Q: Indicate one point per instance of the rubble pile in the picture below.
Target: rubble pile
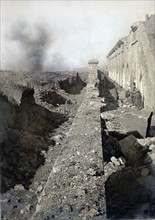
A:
(130, 181)
(129, 163)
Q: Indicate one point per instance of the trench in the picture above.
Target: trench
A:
(27, 129)
(30, 141)
(25, 140)
(52, 97)
(130, 193)
(72, 85)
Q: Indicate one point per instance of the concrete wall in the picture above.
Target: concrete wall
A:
(134, 60)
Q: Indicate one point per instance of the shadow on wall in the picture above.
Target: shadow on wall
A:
(52, 97)
(73, 84)
(108, 90)
(25, 140)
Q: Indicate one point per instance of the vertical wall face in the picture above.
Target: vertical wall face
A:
(133, 59)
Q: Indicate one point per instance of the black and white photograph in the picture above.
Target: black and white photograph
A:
(77, 109)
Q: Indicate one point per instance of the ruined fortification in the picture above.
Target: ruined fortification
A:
(132, 59)
(72, 145)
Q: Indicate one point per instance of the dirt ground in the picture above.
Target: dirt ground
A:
(19, 202)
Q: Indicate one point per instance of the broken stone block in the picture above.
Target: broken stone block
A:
(22, 211)
(132, 151)
(122, 160)
(107, 116)
(115, 161)
(146, 141)
(152, 147)
(19, 187)
(56, 140)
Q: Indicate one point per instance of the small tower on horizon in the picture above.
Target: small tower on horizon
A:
(93, 64)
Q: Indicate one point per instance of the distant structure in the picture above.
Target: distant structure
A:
(93, 64)
(132, 59)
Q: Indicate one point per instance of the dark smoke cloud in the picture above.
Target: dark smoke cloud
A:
(33, 41)
(77, 31)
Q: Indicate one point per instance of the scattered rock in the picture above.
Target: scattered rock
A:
(19, 187)
(115, 161)
(132, 151)
(122, 160)
(44, 194)
(91, 213)
(39, 189)
(91, 172)
(56, 140)
(107, 116)
(43, 152)
(55, 169)
(152, 147)
(22, 211)
(27, 207)
(103, 100)
(146, 141)
(145, 172)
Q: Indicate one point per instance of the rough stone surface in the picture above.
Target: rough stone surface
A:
(132, 151)
(75, 187)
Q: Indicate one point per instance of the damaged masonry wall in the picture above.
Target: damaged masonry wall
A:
(132, 60)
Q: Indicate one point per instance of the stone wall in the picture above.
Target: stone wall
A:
(75, 187)
(133, 60)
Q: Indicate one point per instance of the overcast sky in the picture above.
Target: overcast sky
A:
(76, 30)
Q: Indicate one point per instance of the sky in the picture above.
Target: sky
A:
(47, 35)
